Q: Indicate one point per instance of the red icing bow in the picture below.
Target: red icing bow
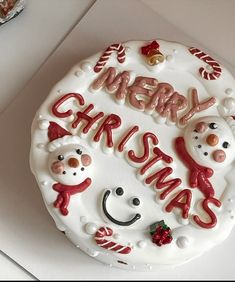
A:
(147, 49)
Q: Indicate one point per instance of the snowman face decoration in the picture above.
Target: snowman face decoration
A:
(70, 164)
(210, 142)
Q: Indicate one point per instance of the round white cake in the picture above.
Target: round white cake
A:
(133, 151)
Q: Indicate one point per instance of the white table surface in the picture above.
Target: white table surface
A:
(9, 270)
(29, 39)
(35, 34)
(26, 42)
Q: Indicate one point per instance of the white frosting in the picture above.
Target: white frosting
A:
(61, 142)
(111, 169)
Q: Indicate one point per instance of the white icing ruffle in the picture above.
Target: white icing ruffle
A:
(66, 140)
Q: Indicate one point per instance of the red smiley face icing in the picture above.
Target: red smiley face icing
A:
(133, 151)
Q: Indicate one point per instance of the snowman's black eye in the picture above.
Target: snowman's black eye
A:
(213, 125)
(136, 202)
(119, 191)
(60, 157)
(78, 151)
(225, 145)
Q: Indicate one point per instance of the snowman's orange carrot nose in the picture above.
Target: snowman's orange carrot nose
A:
(212, 140)
(73, 162)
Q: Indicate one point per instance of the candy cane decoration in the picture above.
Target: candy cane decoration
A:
(121, 56)
(211, 62)
(109, 245)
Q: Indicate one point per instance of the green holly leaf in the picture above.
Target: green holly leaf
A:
(153, 228)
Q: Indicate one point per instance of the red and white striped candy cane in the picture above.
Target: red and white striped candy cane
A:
(121, 56)
(109, 245)
(207, 59)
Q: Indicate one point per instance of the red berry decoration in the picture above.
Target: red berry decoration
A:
(161, 233)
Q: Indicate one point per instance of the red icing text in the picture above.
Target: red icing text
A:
(147, 94)
(160, 177)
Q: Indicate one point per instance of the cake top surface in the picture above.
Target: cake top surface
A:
(133, 151)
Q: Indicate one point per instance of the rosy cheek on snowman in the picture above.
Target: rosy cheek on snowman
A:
(210, 142)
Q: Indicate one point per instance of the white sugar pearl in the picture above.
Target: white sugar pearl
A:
(141, 244)
(182, 242)
(41, 146)
(78, 73)
(92, 253)
(130, 244)
(90, 228)
(86, 66)
(229, 91)
(229, 103)
(43, 124)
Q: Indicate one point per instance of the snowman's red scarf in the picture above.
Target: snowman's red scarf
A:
(65, 191)
(198, 174)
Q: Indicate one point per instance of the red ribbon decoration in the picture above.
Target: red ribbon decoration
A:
(147, 49)
(199, 175)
